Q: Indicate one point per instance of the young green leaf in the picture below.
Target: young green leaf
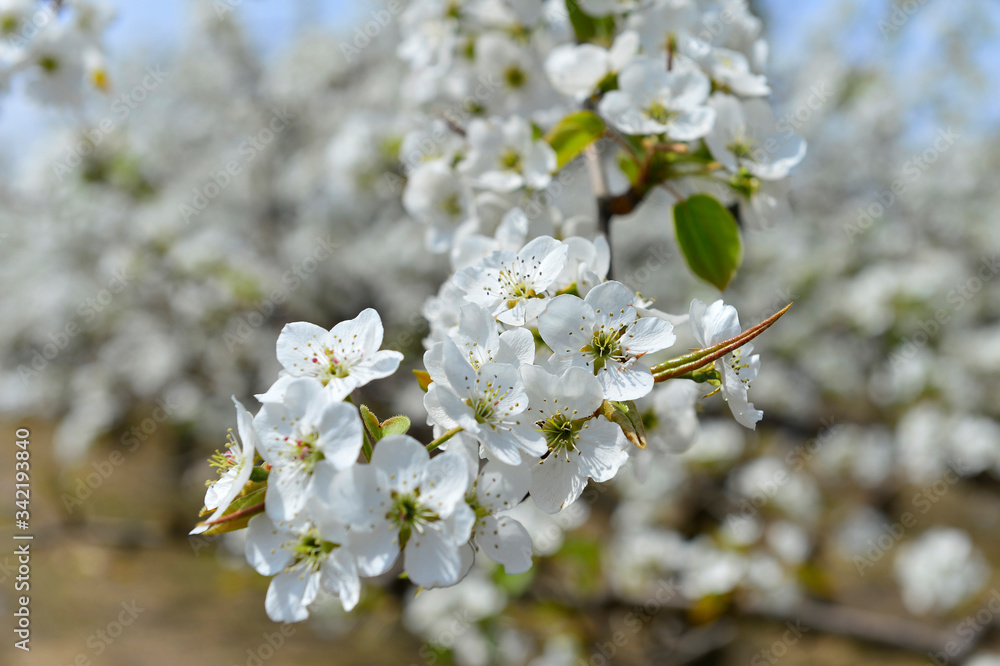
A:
(397, 425)
(574, 133)
(709, 237)
(371, 423)
(589, 28)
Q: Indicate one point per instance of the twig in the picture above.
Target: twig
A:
(600, 184)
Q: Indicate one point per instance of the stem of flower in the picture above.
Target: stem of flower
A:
(444, 438)
(367, 443)
(600, 184)
(242, 513)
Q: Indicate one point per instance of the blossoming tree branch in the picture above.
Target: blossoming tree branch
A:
(536, 357)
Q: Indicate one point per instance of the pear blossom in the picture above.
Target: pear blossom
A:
(435, 196)
(305, 432)
(503, 156)
(497, 534)
(604, 333)
(501, 58)
(235, 467)
(581, 445)
(730, 70)
(713, 324)
(485, 402)
(512, 286)
(303, 559)
(577, 69)
(675, 423)
(342, 359)
(404, 501)
(470, 247)
(652, 100)
(746, 135)
(587, 264)
(939, 570)
(479, 340)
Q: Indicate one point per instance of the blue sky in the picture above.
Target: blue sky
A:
(273, 23)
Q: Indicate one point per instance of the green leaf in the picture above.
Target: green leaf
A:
(600, 30)
(574, 133)
(371, 423)
(397, 425)
(709, 238)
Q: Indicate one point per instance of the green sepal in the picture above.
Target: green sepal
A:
(249, 503)
(423, 379)
(627, 417)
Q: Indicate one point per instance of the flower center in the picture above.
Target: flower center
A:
(48, 63)
(9, 24)
(745, 183)
(736, 364)
(603, 346)
(742, 147)
(334, 368)
(515, 76)
(408, 514)
(305, 450)
(482, 409)
(660, 113)
(226, 460)
(451, 206)
(311, 550)
(560, 433)
(510, 160)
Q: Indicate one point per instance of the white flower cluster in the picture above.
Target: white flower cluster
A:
(511, 419)
(535, 357)
(504, 73)
(56, 47)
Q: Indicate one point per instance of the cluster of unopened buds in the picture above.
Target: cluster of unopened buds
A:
(531, 392)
